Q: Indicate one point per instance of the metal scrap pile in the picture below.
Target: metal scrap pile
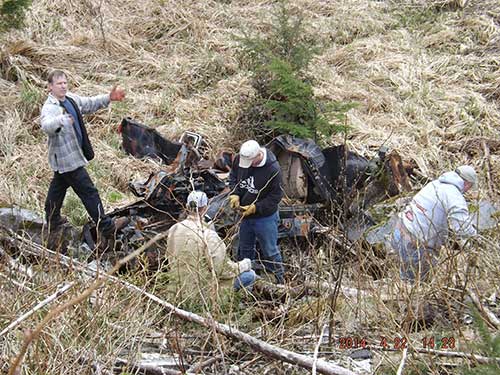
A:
(317, 183)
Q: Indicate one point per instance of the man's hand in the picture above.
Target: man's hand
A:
(244, 265)
(234, 201)
(248, 210)
(117, 94)
(67, 120)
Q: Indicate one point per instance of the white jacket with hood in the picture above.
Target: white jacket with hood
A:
(438, 206)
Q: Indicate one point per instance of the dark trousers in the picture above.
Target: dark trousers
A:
(79, 180)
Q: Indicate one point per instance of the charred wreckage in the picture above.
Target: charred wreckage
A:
(317, 184)
(323, 189)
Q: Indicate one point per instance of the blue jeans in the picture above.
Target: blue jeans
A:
(264, 230)
(416, 259)
(245, 280)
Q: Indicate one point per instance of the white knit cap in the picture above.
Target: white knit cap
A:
(248, 152)
(467, 173)
(198, 197)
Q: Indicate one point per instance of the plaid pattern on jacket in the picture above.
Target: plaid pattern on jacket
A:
(65, 153)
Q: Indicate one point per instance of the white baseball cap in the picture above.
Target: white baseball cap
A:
(198, 197)
(467, 173)
(248, 152)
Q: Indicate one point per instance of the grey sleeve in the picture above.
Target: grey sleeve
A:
(460, 221)
(91, 104)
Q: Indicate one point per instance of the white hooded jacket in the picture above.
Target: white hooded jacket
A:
(438, 206)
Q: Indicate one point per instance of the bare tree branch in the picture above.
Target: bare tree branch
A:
(490, 317)
(269, 350)
(41, 304)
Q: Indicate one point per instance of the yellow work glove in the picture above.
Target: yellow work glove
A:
(248, 210)
(234, 201)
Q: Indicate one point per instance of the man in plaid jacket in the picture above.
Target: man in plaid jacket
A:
(70, 151)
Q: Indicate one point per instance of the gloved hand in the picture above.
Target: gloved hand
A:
(248, 210)
(245, 265)
(234, 201)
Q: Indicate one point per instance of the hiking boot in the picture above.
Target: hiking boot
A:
(56, 223)
(106, 239)
(121, 223)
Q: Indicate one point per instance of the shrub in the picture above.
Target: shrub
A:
(285, 101)
(12, 13)
(488, 345)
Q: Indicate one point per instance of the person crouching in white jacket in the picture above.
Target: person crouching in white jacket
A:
(197, 257)
(423, 226)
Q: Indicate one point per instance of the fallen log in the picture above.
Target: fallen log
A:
(403, 362)
(263, 347)
(322, 366)
(19, 285)
(316, 349)
(201, 365)
(147, 369)
(15, 265)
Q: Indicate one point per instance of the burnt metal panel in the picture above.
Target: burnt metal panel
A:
(307, 148)
(142, 141)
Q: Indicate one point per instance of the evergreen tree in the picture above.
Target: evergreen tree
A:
(294, 108)
(285, 99)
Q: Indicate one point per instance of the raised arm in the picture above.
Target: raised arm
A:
(91, 104)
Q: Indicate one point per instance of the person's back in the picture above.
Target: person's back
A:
(435, 208)
(198, 264)
(187, 249)
(423, 226)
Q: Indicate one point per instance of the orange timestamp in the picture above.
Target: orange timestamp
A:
(396, 343)
(352, 342)
(400, 343)
(355, 342)
(439, 342)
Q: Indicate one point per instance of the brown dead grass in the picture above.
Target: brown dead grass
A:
(425, 75)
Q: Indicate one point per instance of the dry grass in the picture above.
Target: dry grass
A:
(425, 74)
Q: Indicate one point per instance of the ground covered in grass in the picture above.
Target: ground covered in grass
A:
(425, 76)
